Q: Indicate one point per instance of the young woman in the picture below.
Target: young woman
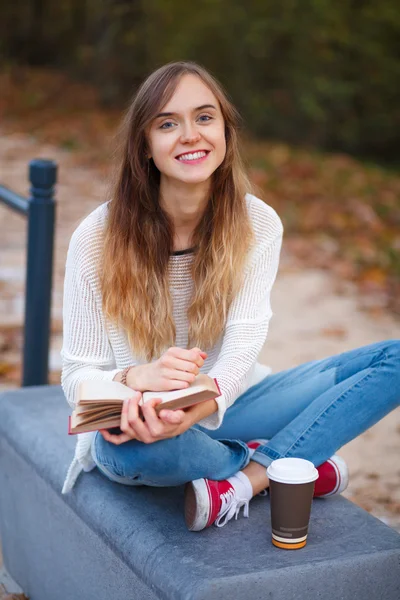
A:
(172, 277)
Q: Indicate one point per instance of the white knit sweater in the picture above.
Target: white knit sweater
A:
(93, 351)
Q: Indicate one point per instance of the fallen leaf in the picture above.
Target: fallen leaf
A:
(5, 368)
(334, 332)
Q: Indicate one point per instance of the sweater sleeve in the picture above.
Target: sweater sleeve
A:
(86, 351)
(246, 330)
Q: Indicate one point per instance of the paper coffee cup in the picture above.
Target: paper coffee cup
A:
(291, 491)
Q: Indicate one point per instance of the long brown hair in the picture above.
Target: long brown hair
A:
(139, 234)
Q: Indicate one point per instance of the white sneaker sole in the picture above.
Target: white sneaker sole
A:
(197, 505)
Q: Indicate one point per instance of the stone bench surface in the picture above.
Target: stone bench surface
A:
(105, 540)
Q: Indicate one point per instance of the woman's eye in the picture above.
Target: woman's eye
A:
(170, 124)
(167, 123)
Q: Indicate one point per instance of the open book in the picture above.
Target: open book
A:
(99, 404)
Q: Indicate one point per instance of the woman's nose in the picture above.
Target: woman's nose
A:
(190, 134)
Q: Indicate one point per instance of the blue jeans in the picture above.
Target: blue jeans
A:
(309, 412)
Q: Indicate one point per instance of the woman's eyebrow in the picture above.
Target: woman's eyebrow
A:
(172, 114)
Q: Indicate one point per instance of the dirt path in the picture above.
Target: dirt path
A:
(315, 315)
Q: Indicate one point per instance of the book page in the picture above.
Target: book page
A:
(103, 390)
(97, 419)
(201, 383)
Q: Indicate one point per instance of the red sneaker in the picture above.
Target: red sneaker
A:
(210, 502)
(254, 444)
(333, 474)
(333, 477)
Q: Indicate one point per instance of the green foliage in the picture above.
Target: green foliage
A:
(307, 71)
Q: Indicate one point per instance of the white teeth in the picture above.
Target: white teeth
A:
(194, 156)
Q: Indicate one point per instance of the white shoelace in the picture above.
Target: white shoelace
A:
(231, 507)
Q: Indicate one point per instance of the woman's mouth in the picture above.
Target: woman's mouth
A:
(193, 158)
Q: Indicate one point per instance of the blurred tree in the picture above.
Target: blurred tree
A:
(119, 49)
(309, 71)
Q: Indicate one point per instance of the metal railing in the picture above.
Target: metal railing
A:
(40, 211)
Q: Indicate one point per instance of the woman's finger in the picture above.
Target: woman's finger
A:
(106, 435)
(113, 438)
(177, 364)
(194, 355)
(154, 424)
(181, 376)
(202, 357)
(125, 425)
(175, 384)
(135, 423)
(174, 417)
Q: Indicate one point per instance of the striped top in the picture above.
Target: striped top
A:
(93, 349)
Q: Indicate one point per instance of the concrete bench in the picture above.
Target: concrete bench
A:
(104, 540)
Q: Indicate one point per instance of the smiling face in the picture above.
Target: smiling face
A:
(187, 138)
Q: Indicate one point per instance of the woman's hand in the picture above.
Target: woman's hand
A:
(153, 427)
(176, 369)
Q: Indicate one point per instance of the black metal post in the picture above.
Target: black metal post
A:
(41, 219)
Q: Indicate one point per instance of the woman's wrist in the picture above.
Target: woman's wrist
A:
(132, 377)
(135, 378)
(124, 374)
(203, 409)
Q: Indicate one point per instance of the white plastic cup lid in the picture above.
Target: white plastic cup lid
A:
(292, 470)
